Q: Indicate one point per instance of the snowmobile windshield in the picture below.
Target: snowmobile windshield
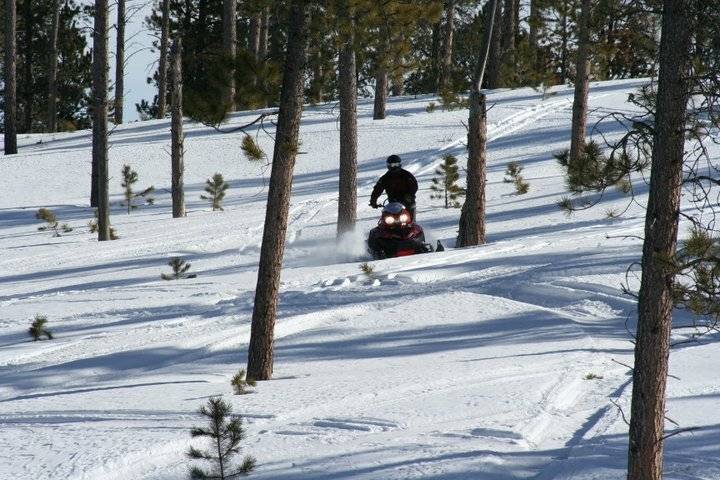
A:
(393, 208)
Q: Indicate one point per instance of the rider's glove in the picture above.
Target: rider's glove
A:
(374, 205)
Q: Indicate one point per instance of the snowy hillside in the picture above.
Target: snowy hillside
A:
(496, 362)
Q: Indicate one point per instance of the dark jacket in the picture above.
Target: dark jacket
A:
(400, 186)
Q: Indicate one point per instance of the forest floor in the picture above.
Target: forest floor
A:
(503, 361)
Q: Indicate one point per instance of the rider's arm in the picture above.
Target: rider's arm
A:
(377, 191)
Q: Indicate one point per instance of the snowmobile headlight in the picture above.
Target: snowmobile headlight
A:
(389, 220)
(404, 218)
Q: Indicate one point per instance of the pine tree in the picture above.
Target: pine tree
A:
(38, 328)
(130, 177)
(514, 176)
(180, 268)
(10, 78)
(225, 432)
(240, 383)
(445, 184)
(215, 188)
(49, 217)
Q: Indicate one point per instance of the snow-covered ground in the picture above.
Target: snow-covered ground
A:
(498, 362)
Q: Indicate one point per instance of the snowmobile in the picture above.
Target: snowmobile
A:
(397, 235)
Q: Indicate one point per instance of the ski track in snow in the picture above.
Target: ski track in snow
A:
(466, 364)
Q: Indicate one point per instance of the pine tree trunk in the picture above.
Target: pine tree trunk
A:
(435, 53)
(579, 115)
(471, 230)
(100, 110)
(347, 198)
(534, 21)
(10, 67)
(254, 35)
(176, 133)
(447, 48)
(565, 36)
(645, 453)
(264, 33)
(260, 353)
(381, 90)
(162, 67)
(27, 80)
(230, 47)
(493, 66)
(508, 39)
(120, 63)
(53, 68)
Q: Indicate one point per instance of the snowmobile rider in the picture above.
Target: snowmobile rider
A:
(399, 184)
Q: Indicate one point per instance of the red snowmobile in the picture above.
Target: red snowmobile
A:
(397, 235)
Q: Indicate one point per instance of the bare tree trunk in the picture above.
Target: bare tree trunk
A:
(120, 63)
(100, 113)
(264, 33)
(53, 68)
(10, 121)
(579, 115)
(347, 198)
(230, 47)
(447, 46)
(176, 132)
(645, 453)
(254, 35)
(565, 37)
(28, 90)
(381, 91)
(260, 353)
(534, 22)
(162, 67)
(508, 39)
(494, 61)
(471, 230)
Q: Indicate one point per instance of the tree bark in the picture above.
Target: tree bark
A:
(347, 198)
(120, 63)
(471, 229)
(27, 80)
(260, 353)
(10, 120)
(381, 91)
(230, 47)
(579, 113)
(53, 68)
(177, 150)
(162, 67)
(100, 114)
(254, 36)
(534, 22)
(264, 33)
(493, 66)
(508, 38)
(645, 452)
(447, 46)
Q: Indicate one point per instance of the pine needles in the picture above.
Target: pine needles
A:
(225, 432)
(38, 329)
(180, 268)
(514, 176)
(215, 188)
(240, 383)
(51, 221)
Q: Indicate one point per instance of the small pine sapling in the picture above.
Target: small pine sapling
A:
(514, 176)
(367, 269)
(445, 184)
(240, 383)
(180, 268)
(252, 150)
(38, 328)
(130, 177)
(225, 432)
(51, 220)
(431, 107)
(215, 188)
(593, 376)
(93, 226)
